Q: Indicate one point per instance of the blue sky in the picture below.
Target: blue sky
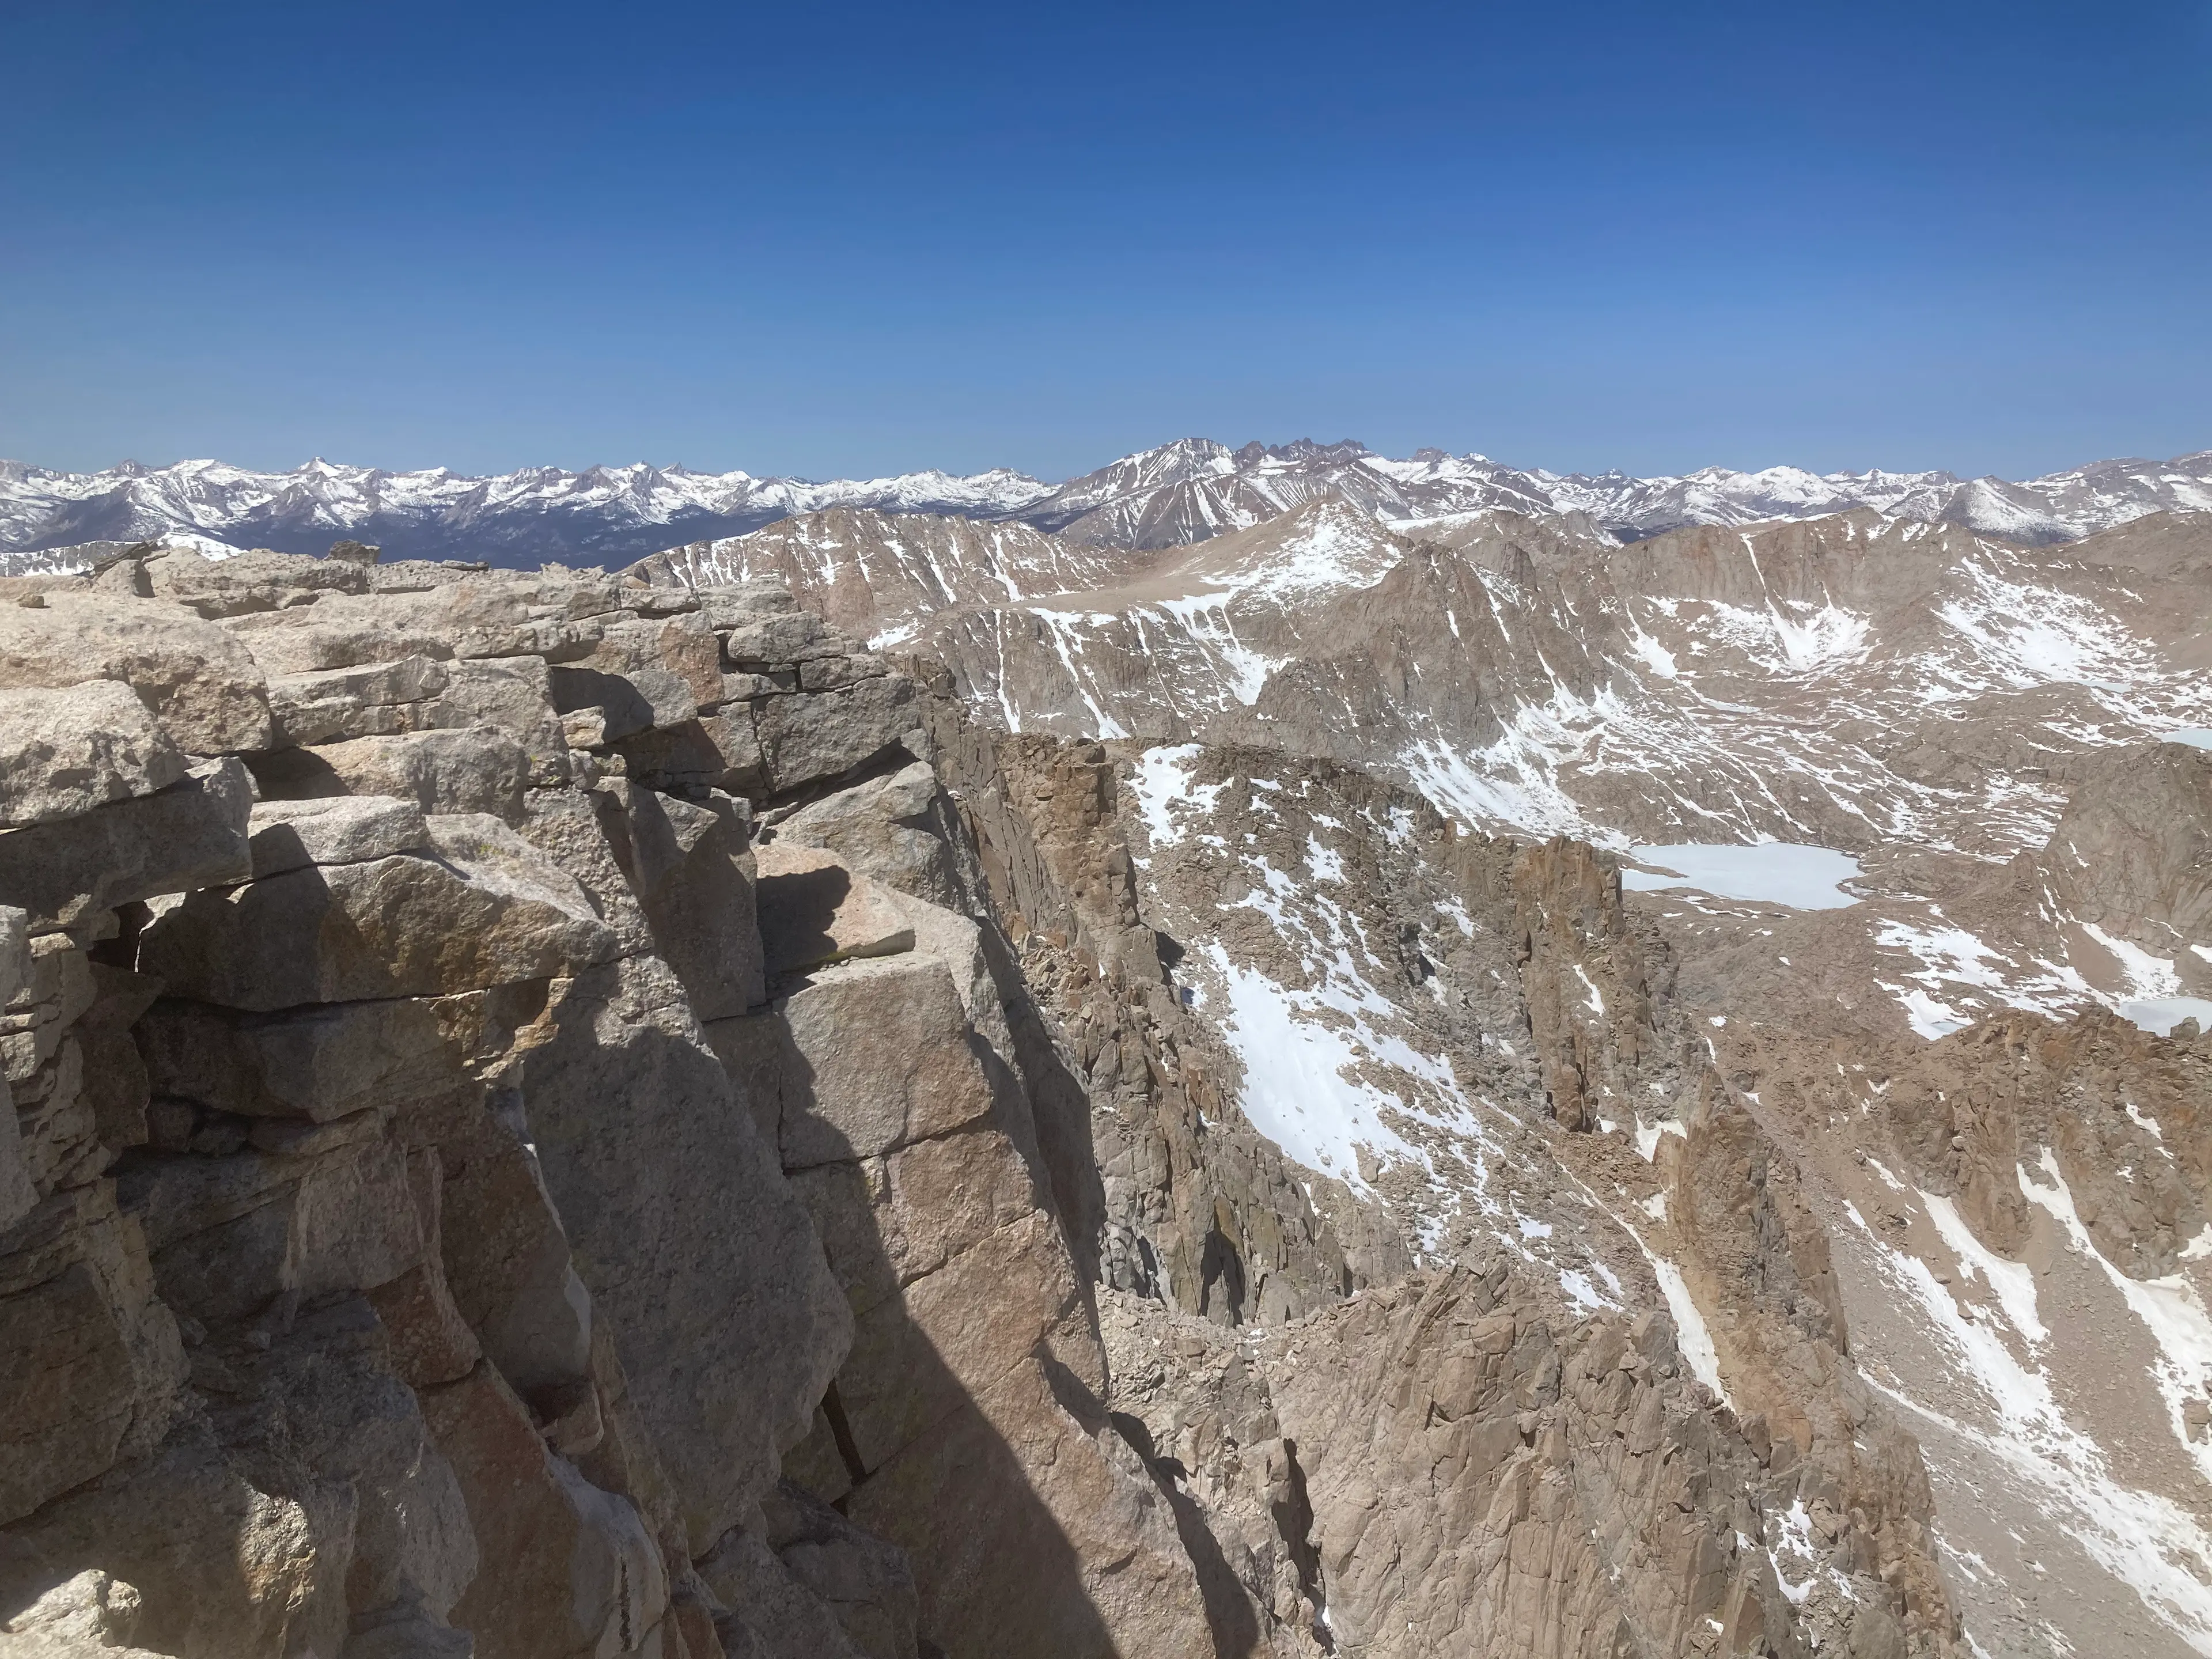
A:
(840, 240)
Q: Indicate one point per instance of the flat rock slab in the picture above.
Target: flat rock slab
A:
(290, 835)
(814, 910)
(877, 1054)
(192, 835)
(477, 769)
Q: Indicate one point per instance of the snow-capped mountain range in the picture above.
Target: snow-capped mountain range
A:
(530, 517)
(1182, 492)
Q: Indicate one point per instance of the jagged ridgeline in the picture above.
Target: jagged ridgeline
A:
(568, 1114)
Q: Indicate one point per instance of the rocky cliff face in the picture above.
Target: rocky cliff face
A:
(530, 1138)
(560, 1115)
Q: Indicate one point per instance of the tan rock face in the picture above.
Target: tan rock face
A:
(201, 685)
(188, 836)
(73, 749)
(1554, 1004)
(2133, 851)
(483, 909)
(1148, 1156)
(416, 1228)
(966, 1415)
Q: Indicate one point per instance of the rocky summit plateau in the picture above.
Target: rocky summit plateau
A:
(1266, 1054)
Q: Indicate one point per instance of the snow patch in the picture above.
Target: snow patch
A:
(1691, 1335)
(2169, 1308)
(1302, 1087)
(1162, 783)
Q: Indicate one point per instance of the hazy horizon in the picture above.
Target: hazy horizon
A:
(817, 476)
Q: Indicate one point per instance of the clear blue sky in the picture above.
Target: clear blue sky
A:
(838, 240)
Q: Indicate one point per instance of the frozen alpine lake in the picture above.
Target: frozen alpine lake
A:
(1771, 872)
(2160, 1015)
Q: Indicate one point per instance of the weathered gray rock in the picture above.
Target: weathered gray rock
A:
(879, 1054)
(290, 835)
(18, 1193)
(504, 1252)
(192, 835)
(116, 1087)
(888, 1220)
(63, 752)
(231, 1234)
(199, 681)
(578, 1574)
(332, 633)
(14, 950)
(679, 760)
(256, 580)
(579, 830)
(485, 909)
(776, 638)
(54, 986)
(895, 829)
(918, 1359)
(1034, 1528)
(431, 1341)
(597, 708)
(762, 1609)
(728, 605)
(350, 1422)
(90, 1361)
(406, 1632)
(691, 868)
(652, 652)
(513, 694)
(814, 911)
(806, 739)
(736, 750)
(319, 1062)
(477, 769)
(221, 1564)
(552, 614)
(867, 1584)
(682, 1175)
(94, 1612)
(377, 700)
